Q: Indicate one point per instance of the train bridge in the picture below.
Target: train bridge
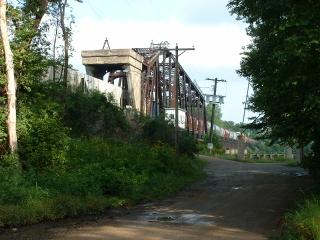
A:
(148, 81)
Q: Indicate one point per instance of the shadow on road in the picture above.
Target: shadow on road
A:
(236, 201)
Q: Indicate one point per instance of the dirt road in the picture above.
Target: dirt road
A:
(237, 201)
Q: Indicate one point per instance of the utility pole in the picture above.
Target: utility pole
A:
(245, 103)
(176, 113)
(240, 143)
(216, 80)
(177, 85)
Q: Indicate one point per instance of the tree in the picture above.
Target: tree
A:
(283, 65)
(62, 4)
(217, 114)
(11, 83)
(66, 22)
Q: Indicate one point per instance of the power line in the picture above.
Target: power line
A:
(216, 80)
(96, 11)
(245, 103)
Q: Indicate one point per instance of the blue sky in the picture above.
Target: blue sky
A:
(218, 38)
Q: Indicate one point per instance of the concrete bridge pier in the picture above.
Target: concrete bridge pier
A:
(122, 64)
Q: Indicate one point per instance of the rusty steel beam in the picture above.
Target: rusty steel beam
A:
(158, 89)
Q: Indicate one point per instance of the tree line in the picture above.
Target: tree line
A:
(282, 63)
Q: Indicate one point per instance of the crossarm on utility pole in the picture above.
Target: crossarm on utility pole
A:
(216, 80)
(177, 84)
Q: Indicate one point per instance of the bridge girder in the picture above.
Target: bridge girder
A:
(158, 81)
(147, 78)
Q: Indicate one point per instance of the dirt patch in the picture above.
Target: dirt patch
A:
(236, 201)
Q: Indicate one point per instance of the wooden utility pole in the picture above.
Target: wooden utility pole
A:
(241, 144)
(177, 85)
(216, 80)
(176, 114)
(11, 83)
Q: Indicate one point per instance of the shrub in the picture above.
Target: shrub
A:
(92, 114)
(187, 144)
(44, 142)
(303, 223)
(217, 147)
(159, 130)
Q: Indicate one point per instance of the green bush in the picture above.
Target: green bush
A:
(44, 144)
(98, 174)
(217, 146)
(116, 168)
(311, 161)
(157, 130)
(92, 114)
(187, 144)
(54, 175)
(303, 223)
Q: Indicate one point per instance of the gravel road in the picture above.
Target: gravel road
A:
(237, 201)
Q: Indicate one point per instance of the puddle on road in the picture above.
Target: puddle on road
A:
(165, 219)
(177, 218)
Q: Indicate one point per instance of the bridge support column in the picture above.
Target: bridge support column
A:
(99, 62)
(241, 149)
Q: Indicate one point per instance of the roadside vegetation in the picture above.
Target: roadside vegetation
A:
(80, 155)
(282, 63)
(303, 223)
(77, 152)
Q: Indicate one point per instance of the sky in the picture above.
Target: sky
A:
(207, 25)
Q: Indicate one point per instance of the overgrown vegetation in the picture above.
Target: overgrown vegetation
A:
(304, 222)
(282, 64)
(247, 159)
(77, 152)
(217, 147)
(158, 130)
(73, 158)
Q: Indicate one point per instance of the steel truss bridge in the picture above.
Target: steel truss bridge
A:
(147, 78)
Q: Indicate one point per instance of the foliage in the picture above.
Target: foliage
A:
(217, 114)
(159, 130)
(187, 143)
(100, 174)
(235, 127)
(89, 114)
(304, 222)
(217, 146)
(65, 164)
(283, 65)
(266, 146)
(45, 143)
(30, 48)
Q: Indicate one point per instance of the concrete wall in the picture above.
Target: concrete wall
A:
(134, 85)
(98, 62)
(77, 79)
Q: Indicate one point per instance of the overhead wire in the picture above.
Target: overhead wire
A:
(96, 11)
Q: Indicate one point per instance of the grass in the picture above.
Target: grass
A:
(304, 222)
(96, 176)
(279, 160)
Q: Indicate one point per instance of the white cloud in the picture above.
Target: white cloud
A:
(216, 45)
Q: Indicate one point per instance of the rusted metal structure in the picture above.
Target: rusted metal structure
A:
(147, 77)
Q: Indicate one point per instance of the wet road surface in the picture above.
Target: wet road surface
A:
(237, 201)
